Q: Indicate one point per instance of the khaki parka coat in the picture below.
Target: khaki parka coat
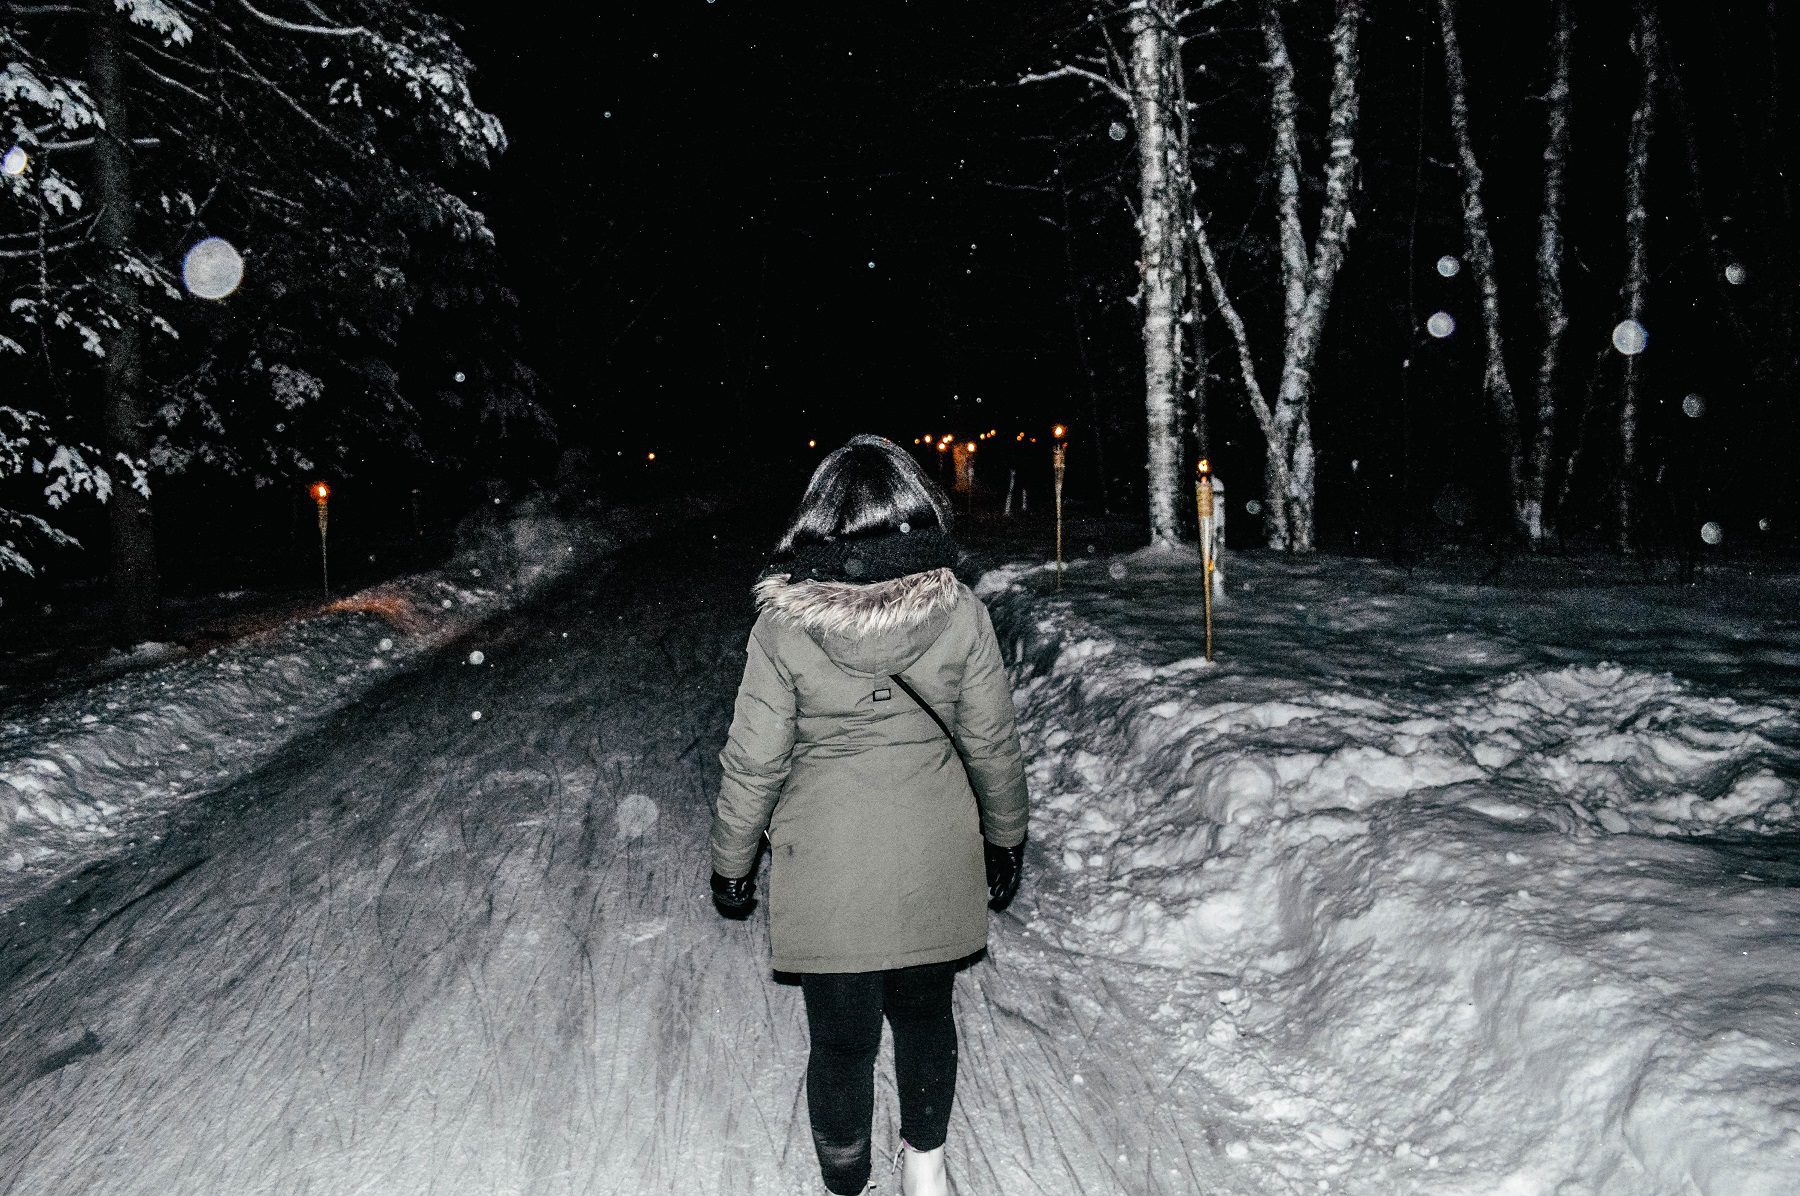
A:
(874, 824)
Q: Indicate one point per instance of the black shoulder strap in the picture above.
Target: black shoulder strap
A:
(925, 706)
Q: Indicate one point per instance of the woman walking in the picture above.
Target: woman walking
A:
(873, 740)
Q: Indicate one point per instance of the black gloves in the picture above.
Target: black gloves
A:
(1003, 867)
(734, 898)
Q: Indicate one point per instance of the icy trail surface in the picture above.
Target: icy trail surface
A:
(420, 951)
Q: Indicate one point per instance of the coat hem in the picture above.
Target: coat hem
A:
(879, 963)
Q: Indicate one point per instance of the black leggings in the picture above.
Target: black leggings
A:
(843, 1019)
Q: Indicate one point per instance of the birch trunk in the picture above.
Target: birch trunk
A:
(134, 582)
(1553, 310)
(1637, 260)
(1478, 246)
(1163, 171)
(1290, 475)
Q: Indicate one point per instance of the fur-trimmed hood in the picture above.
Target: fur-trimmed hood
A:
(881, 627)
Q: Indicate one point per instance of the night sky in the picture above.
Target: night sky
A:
(732, 219)
(734, 223)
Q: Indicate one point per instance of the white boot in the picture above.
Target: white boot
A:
(922, 1172)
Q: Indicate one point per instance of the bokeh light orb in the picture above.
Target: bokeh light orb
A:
(1735, 274)
(1449, 266)
(1630, 337)
(1441, 324)
(1693, 406)
(212, 269)
(1253, 507)
(1712, 533)
(1116, 131)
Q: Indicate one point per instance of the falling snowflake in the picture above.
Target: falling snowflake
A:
(1630, 337)
(212, 269)
(1449, 266)
(1441, 324)
(1253, 507)
(477, 657)
(1116, 131)
(1762, 525)
(16, 161)
(1712, 533)
(1735, 274)
(1693, 406)
(475, 716)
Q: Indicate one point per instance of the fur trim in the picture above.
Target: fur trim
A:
(842, 608)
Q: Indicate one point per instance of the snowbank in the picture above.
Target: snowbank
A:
(79, 771)
(1459, 890)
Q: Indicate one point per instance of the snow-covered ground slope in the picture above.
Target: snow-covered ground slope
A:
(1452, 889)
(79, 772)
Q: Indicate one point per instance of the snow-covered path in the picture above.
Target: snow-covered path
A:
(422, 952)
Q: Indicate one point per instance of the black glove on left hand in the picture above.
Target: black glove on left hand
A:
(734, 898)
(1004, 864)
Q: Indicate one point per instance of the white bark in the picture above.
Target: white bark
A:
(1637, 259)
(1291, 457)
(1162, 172)
(1552, 307)
(1284, 109)
(1479, 248)
(1308, 277)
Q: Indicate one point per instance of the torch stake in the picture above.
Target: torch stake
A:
(1203, 500)
(1059, 458)
(324, 551)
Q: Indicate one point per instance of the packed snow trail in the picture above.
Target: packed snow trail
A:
(427, 952)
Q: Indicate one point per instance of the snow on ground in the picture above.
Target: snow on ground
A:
(1422, 888)
(80, 771)
(1452, 889)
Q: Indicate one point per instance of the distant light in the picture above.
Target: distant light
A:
(943, 446)
(16, 161)
(970, 446)
(212, 269)
(649, 456)
(1059, 431)
(321, 492)
(1205, 466)
(1630, 337)
(1019, 437)
(812, 444)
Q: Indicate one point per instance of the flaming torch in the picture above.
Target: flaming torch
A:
(321, 496)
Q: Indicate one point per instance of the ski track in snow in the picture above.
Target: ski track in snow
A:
(422, 953)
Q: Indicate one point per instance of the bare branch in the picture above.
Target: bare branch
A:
(1079, 72)
(294, 27)
(1235, 322)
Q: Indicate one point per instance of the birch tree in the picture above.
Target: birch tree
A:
(1527, 475)
(1478, 247)
(1647, 46)
(1553, 311)
(1163, 177)
(1308, 272)
(1145, 76)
